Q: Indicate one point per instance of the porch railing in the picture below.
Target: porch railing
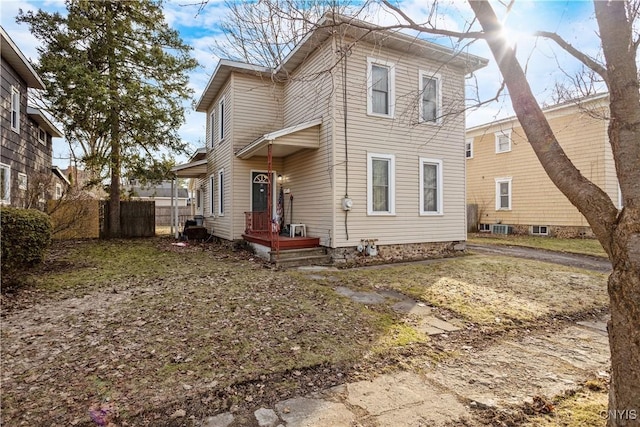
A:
(256, 223)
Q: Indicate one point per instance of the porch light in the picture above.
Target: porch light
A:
(280, 179)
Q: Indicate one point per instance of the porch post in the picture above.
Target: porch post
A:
(175, 207)
(270, 192)
(173, 183)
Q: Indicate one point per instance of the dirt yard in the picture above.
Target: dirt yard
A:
(140, 328)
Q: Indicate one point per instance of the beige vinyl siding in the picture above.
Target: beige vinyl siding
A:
(220, 156)
(535, 199)
(308, 95)
(408, 141)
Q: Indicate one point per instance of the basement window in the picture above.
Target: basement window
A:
(539, 230)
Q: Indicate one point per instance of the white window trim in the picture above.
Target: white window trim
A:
(15, 107)
(392, 184)
(222, 128)
(620, 198)
(499, 181)
(7, 199)
(221, 192)
(470, 143)
(392, 87)
(506, 133)
(439, 211)
(539, 233)
(58, 193)
(438, 78)
(212, 129)
(212, 195)
(23, 183)
(42, 131)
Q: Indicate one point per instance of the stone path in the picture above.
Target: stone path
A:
(508, 372)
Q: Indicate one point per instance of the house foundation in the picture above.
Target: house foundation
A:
(396, 253)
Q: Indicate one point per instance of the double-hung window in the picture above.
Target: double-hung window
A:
(221, 192)
(212, 130)
(42, 136)
(5, 184)
(212, 195)
(380, 184)
(430, 186)
(503, 141)
(430, 98)
(503, 194)
(15, 109)
(468, 149)
(221, 118)
(381, 88)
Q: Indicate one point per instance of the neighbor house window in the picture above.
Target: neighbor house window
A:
(430, 186)
(539, 230)
(42, 135)
(212, 130)
(503, 141)
(380, 81)
(380, 184)
(484, 228)
(199, 198)
(5, 184)
(221, 192)
(15, 109)
(503, 193)
(212, 195)
(22, 181)
(58, 191)
(430, 98)
(468, 149)
(221, 119)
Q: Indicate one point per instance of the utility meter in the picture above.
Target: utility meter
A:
(347, 203)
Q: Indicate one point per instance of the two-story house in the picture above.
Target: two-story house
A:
(27, 178)
(355, 142)
(508, 186)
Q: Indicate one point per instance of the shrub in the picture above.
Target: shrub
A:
(26, 235)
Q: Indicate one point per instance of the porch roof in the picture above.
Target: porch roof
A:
(193, 169)
(285, 141)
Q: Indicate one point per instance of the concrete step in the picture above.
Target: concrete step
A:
(303, 261)
(296, 253)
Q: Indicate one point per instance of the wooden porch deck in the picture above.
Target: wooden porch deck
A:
(286, 242)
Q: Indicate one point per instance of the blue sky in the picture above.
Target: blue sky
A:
(573, 19)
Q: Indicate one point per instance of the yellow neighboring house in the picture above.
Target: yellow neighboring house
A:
(509, 189)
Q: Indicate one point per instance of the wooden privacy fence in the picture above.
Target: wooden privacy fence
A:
(137, 218)
(163, 214)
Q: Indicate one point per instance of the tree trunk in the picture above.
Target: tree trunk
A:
(114, 127)
(618, 232)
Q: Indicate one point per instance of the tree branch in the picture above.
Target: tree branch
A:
(580, 56)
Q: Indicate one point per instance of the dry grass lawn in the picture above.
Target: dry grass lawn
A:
(143, 327)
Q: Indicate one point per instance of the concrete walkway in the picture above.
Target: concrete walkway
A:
(508, 372)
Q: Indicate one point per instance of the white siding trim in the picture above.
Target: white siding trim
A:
(439, 207)
(392, 189)
(499, 181)
(392, 86)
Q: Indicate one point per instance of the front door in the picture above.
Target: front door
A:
(259, 190)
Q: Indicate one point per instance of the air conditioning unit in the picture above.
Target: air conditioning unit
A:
(501, 229)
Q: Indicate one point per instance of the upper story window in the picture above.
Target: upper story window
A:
(380, 184)
(430, 186)
(381, 88)
(42, 135)
(221, 118)
(15, 109)
(212, 129)
(430, 98)
(503, 141)
(58, 191)
(5, 184)
(468, 149)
